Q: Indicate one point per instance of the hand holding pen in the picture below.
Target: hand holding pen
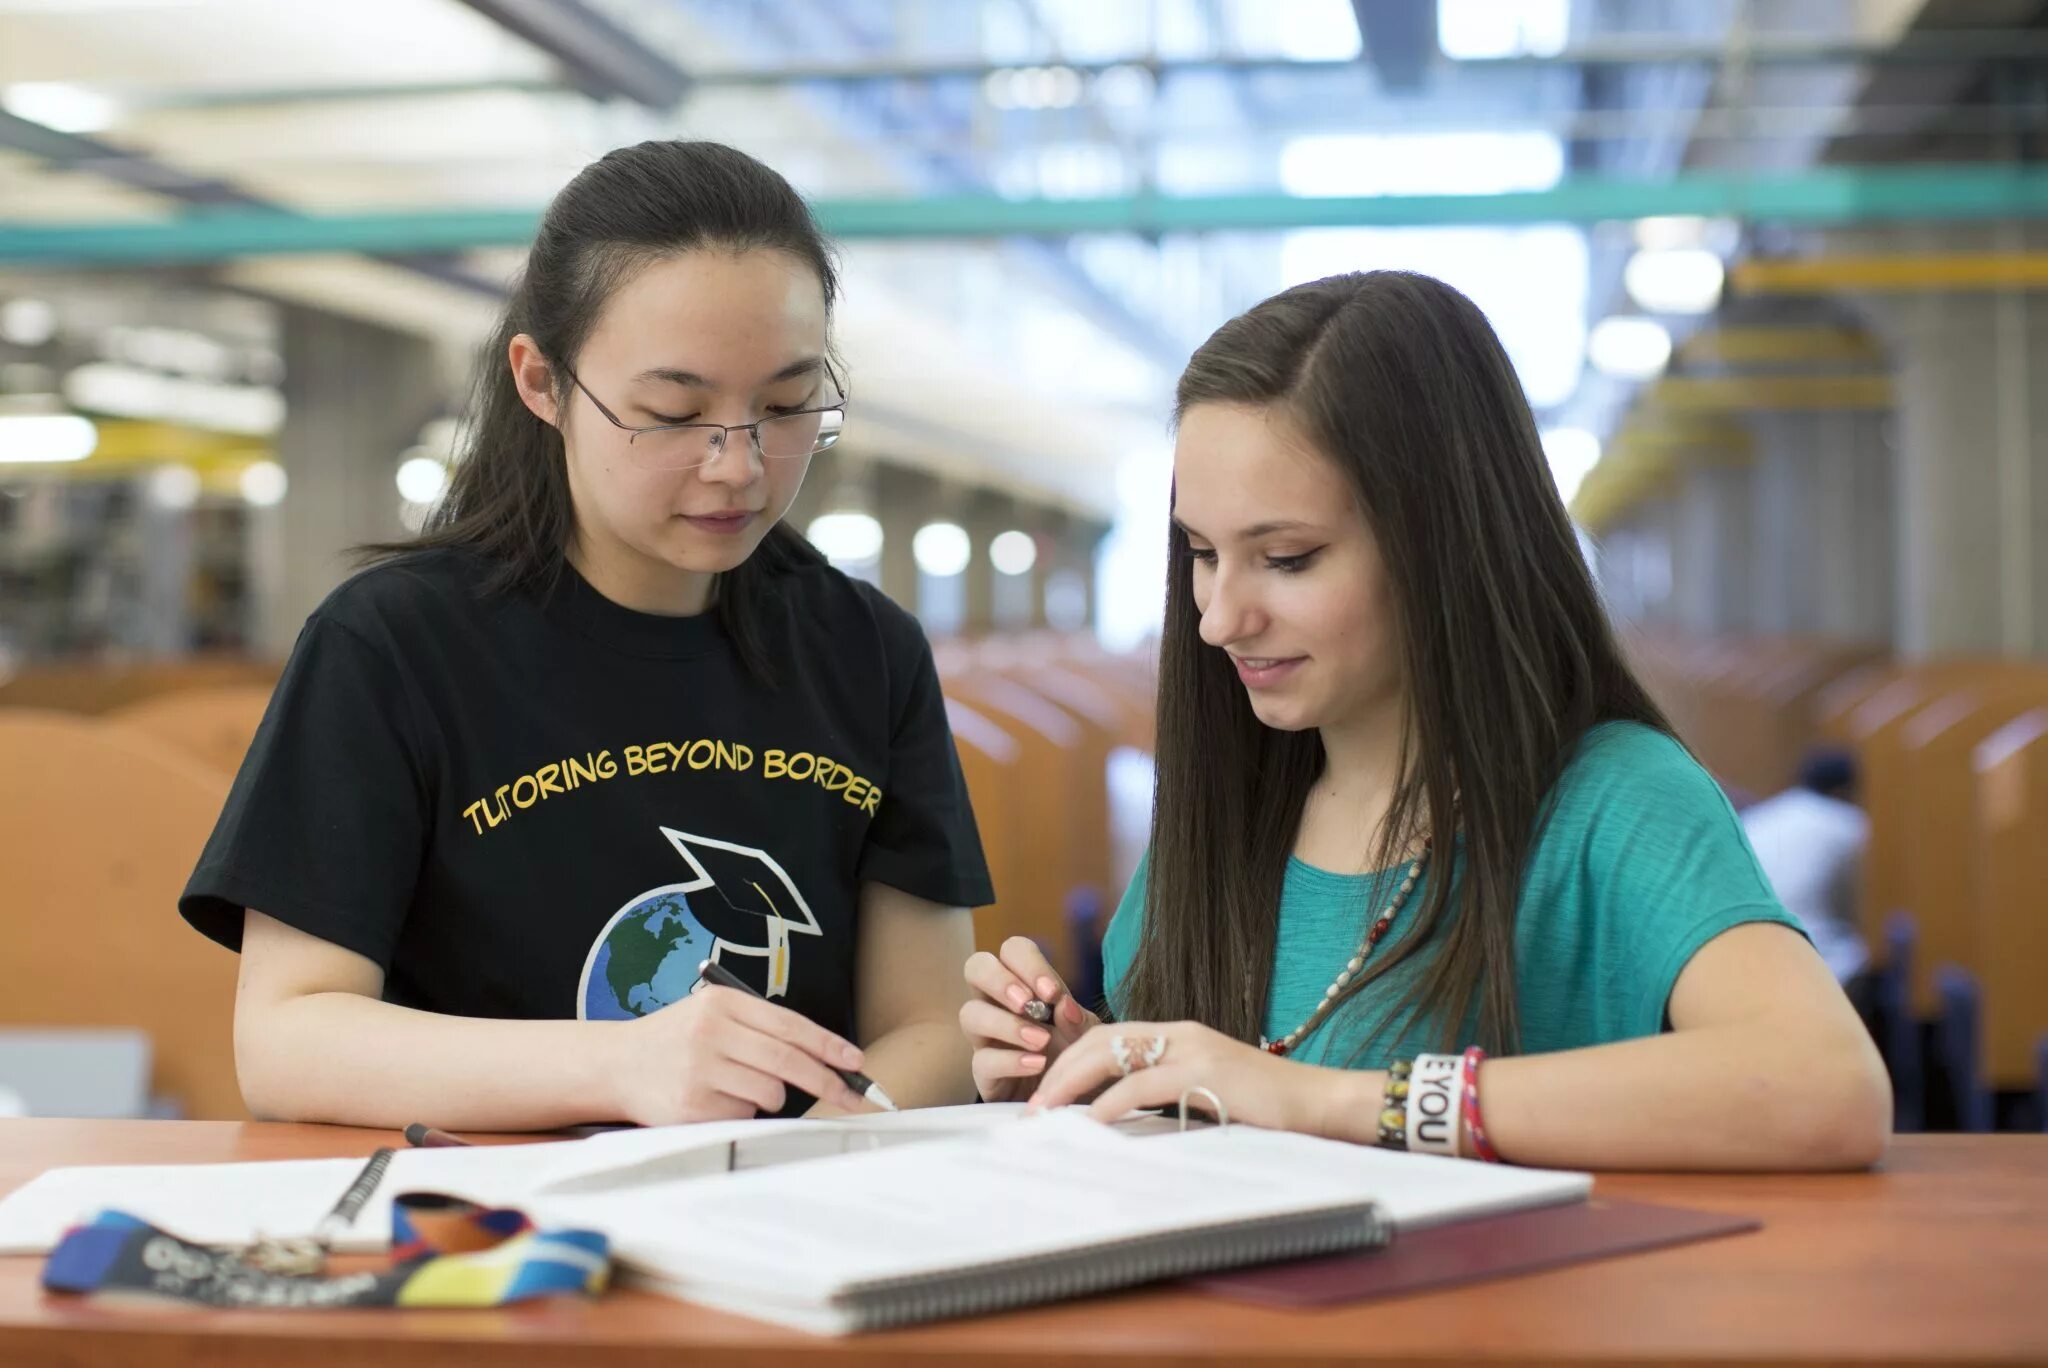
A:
(712, 972)
(1020, 1020)
(722, 1055)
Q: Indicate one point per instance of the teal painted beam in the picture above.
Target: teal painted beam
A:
(1824, 195)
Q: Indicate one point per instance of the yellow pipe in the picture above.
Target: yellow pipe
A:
(1764, 346)
(1900, 273)
(128, 446)
(1678, 435)
(1645, 458)
(1617, 484)
(126, 442)
(1744, 393)
(1597, 508)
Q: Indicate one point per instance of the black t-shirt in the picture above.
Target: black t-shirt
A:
(550, 806)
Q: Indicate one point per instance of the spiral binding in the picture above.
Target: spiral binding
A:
(1100, 1268)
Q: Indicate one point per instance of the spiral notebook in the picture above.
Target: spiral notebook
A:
(866, 1222)
(1044, 1209)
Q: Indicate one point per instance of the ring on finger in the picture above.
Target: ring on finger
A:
(1120, 1051)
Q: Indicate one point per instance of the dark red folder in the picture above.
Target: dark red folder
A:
(1470, 1251)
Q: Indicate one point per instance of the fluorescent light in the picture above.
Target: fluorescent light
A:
(178, 350)
(1048, 87)
(122, 391)
(1670, 230)
(941, 548)
(264, 484)
(1572, 453)
(60, 106)
(422, 480)
(846, 538)
(1314, 30)
(173, 486)
(131, 392)
(27, 322)
(1675, 280)
(1124, 87)
(1629, 348)
(1421, 163)
(1013, 553)
(1468, 30)
(36, 438)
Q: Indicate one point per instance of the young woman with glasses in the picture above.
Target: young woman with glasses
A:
(607, 719)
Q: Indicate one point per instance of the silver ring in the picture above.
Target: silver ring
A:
(1222, 1113)
(1120, 1051)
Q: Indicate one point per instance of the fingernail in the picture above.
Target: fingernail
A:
(1035, 1037)
(1031, 1063)
(849, 1056)
(1070, 1011)
(1048, 989)
(1031, 1104)
(1017, 996)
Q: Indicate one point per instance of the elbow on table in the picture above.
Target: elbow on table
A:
(1849, 1125)
(271, 1085)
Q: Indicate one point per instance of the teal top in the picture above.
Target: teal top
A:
(1641, 863)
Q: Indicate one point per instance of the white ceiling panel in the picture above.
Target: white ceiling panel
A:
(170, 46)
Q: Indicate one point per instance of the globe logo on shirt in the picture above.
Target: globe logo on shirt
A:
(737, 902)
(647, 959)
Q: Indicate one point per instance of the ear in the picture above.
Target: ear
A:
(534, 377)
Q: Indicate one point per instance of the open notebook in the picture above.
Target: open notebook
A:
(977, 1214)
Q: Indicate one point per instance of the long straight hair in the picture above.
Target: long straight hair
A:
(1507, 655)
(509, 499)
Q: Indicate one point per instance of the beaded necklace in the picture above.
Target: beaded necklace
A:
(1355, 963)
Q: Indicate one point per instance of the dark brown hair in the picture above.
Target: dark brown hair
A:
(1507, 653)
(509, 498)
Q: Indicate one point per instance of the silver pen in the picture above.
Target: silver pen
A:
(713, 972)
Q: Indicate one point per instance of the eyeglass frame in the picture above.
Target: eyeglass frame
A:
(725, 430)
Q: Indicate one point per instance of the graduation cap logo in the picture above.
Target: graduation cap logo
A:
(737, 900)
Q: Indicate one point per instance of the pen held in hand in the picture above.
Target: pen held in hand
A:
(710, 971)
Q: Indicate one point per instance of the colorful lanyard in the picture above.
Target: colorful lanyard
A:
(445, 1251)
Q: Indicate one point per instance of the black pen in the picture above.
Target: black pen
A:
(431, 1137)
(713, 972)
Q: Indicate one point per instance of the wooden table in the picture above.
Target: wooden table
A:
(1940, 1257)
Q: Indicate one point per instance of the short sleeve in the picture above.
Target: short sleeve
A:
(326, 826)
(1667, 862)
(923, 839)
(1126, 926)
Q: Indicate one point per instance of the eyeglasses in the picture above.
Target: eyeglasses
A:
(681, 446)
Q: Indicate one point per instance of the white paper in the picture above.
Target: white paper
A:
(229, 1204)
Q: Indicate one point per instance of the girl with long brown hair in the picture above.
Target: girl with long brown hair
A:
(1428, 867)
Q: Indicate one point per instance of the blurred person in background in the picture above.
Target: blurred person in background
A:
(1810, 841)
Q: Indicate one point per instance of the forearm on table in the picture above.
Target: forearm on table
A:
(1736, 1097)
(922, 1064)
(355, 1060)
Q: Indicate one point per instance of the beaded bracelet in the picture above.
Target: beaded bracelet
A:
(1468, 1083)
(1394, 1105)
